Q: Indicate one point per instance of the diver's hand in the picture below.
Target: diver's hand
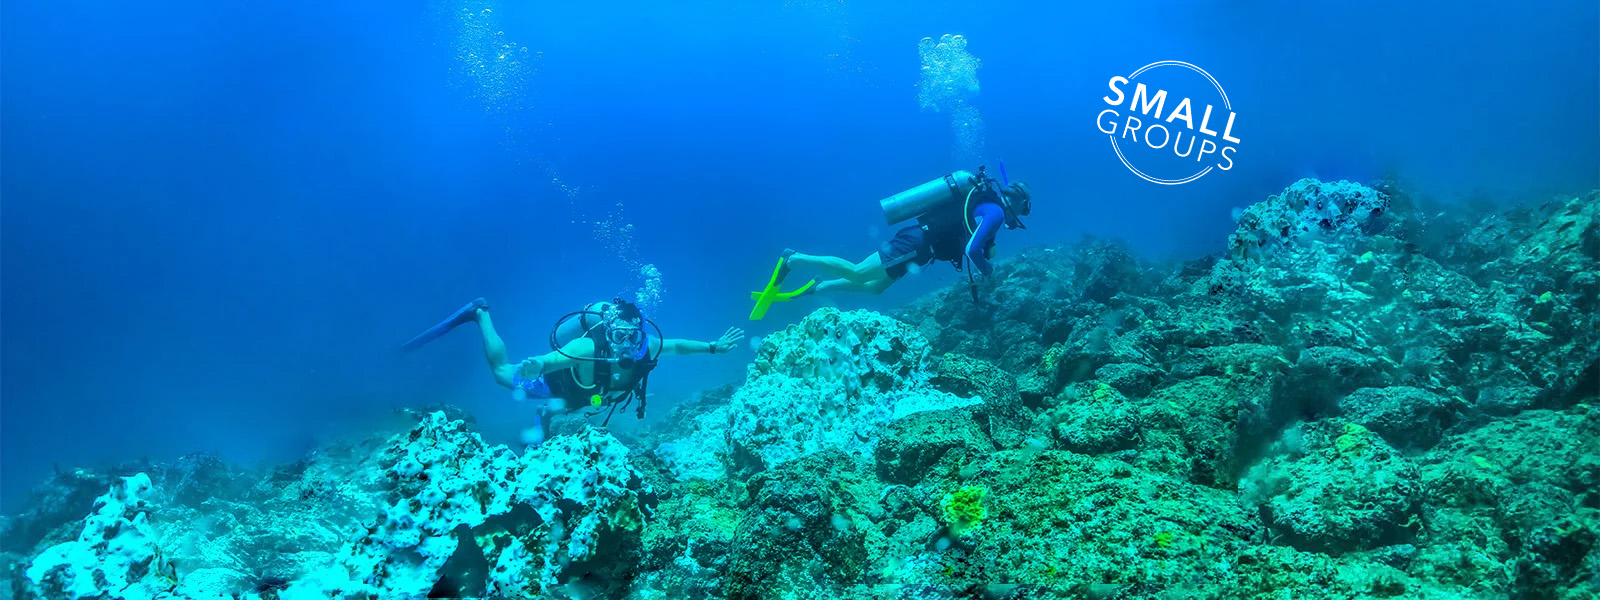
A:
(530, 368)
(725, 344)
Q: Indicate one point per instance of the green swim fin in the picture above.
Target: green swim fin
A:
(766, 297)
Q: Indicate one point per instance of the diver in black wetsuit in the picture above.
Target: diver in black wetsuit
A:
(601, 356)
(958, 216)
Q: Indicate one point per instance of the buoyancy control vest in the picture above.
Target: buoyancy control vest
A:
(597, 322)
(946, 210)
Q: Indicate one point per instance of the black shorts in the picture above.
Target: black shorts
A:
(909, 247)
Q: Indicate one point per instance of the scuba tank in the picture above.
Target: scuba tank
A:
(580, 323)
(958, 188)
(927, 197)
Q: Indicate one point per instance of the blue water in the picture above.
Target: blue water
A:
(220, 218)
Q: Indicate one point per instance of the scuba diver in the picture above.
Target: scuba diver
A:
(958, 217)
(600, 356)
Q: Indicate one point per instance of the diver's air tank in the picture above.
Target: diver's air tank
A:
(919, 200)
(579, 325)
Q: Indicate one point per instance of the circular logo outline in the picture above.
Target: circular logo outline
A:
(1118, 149)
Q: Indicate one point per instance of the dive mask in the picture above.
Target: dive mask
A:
(621, 333)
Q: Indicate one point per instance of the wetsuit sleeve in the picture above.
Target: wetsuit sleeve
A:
(989, 215)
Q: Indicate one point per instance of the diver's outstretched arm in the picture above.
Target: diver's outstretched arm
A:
(535, 366)
(722, 345)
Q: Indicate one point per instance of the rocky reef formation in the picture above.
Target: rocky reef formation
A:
(1349, 401)
(1328, 370)
(832, 381)
(116, 554)
(430, 511)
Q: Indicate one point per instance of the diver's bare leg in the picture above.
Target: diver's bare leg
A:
(494, 350)
(864, 271)
(873, 286)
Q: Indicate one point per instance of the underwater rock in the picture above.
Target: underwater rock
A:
(1035, 301)
(1407, 417)
(54, 509)
(1553, 247)
(830, 381)
(688, 542)
(1130, 379)
(1232, 360)
(1093, 418)
(1104, 269)
(1308, 206)
(1506, 400)
(930, 444)
(1055, 518)
(1266, 571)
(547, 515)
(1322, 374)
(206, 583)
(1326, 211)
(1091, 348)
(294, 520)
(1346, 491)
(968, 377)
(1001, 415)
(1510, 505)
(1478, 468)
(1200, 430)
(115, 555)
(800, 532)
(198, 477)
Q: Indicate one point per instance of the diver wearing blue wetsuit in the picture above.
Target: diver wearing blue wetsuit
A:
(958, 218)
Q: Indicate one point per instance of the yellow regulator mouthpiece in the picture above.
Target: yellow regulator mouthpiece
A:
(595, 400)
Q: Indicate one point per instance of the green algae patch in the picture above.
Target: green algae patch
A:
(963, 508)
(1353, 442)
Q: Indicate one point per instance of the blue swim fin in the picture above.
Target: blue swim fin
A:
(467, 313)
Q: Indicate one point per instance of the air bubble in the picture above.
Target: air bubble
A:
(949, 84)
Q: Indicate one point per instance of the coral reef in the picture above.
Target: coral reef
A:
(830, 381)
(1343, 490)
(537, 520)
(430, 510)
(1349, 401)
(116, 554)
